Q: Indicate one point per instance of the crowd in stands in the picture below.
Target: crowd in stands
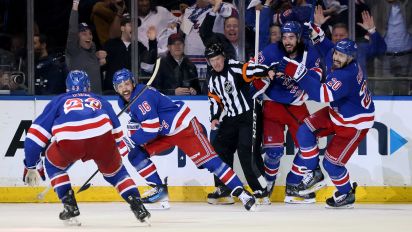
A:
(96, 36)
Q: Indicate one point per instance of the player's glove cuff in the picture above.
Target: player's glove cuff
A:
(317, 35)
(292, 68)
(31, 174)
(260, 86)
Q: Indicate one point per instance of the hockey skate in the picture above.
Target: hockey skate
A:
(292, 196)
(342, 201)
(262, 197)
(312, 182)
(221, 196)
(247, 199)
(70, 210)
(157, 196)
(138, 209)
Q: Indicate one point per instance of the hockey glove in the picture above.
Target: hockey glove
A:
(260, 86)
(128, 142)
(292, 68)
(132, 127)
(317, 35)
(32, 175)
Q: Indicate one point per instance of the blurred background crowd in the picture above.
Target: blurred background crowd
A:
(41, 40)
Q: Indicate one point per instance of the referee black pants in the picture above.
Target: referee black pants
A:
(235, 133)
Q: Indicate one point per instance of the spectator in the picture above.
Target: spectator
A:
(49, 72)
(266, 20)
(106, 16)
(191, 22)
(6, 56)
(161, 19)
(229, 39)
(370, 47)
(119, 53)
(81, 51)
(177, 75)
(396, 21)
(275, 34)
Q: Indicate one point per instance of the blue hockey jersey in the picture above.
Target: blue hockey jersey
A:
(157, 115)
(285, 90)
(346, 89)
(70, 116)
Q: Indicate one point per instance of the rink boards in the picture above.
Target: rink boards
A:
(381, 165)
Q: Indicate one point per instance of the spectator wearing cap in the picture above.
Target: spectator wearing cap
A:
(81, 51)
(177, 74)
(119, 53)
(106, 16)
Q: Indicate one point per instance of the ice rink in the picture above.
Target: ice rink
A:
(194, 217)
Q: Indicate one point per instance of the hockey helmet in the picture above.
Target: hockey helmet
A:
(292, 27)
(213, 50)
(121, 76)
(348, 47)
(77, 81)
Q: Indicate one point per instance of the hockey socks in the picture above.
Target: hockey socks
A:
(144, 166)
(223, 172)
(339, 176)
(59, 179)
(123, 183)
(272, 161)
(308, 158)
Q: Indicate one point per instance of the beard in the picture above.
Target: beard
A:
(294, 49)
(338, 64)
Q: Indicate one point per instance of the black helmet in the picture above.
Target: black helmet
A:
(213, 50)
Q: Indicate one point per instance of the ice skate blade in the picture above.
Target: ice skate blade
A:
(147, 222)
(72, 222)
(299, 200)
(349, 206)
(314, 188)
(221, 201)
(160, 205)
(253, 208)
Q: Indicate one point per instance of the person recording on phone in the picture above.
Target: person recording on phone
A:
(177, 74)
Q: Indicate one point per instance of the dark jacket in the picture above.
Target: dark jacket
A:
(172, 75)
(209, 37)
(119, 56)
(50, 76)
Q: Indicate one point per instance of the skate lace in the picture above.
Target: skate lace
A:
(307, 178)
(338, 197)
(244, 197)
(151, 192)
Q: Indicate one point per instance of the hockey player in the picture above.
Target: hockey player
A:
(229, 92)
(162, 124)
(284, 105)
(348, 118)
(81, 126)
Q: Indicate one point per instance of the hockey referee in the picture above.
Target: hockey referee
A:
(229, 92)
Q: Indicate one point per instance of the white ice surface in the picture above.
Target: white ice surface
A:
(196, 217)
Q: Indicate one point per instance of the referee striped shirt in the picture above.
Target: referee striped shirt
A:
(229, 89)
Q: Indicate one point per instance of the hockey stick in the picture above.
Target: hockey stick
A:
(41, 195)
(255, 102)
(257, 111)
(86, 184)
